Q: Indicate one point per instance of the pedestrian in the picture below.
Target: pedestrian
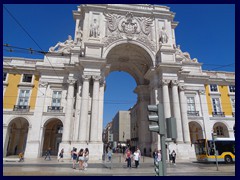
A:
(109, 154)
(173, 154)
(74, 157)
(128, 158)
(81, 159)
(21, 157)
(159, 155)
(60, 155)
(86, 158)
(48, 153)
(155, 155)
(139, 152)
(136, 157)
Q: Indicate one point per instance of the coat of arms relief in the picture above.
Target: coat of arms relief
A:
(129, 27)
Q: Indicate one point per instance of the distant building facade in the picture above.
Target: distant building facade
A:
(58, 101)
(121, 127)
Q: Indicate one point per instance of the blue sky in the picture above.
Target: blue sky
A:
(206, 31)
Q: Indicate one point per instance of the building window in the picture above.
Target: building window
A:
(217, 107)
(191, 110)
(219, 130)
(190, 104)
(233, 106)
(213, 88)
(23, 97)
(27, 78)
(232, 88)
(4, 76)
(56, 98)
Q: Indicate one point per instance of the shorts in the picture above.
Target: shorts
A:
(81, 158)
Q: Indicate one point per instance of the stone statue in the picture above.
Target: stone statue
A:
(79, 35)
(94, 29)
(64, 47)
(163, 37)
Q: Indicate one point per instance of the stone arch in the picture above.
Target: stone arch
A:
(135, 60)
(17, 134)
(120, 42)
(221, 129)
(196, 131)
(10, 120)
(131, 58)
(52, 135)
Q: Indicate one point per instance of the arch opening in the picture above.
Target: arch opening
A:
(52, 134)
(17, 136)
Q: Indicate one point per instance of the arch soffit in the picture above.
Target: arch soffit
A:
(119, 42)
(198, 123)
(11, 120)
(225, 125)
(47, 120)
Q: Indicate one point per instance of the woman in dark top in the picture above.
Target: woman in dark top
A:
(81, 159)
(74, 157)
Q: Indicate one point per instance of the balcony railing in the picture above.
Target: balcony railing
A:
(55, 109)
(219, 114)
(193, 113)
(21, 108)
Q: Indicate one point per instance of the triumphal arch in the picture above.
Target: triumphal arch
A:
(136, 38)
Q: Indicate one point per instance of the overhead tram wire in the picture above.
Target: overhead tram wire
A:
(30, 37)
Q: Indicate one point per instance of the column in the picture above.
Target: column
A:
(176, 109)
(166, 101)
(35, 137)
(183, 104)
(69, 112)
(207, 130)
(142, 121)
(95, 105)
(100, 111)
(84, 109)
(76, 123)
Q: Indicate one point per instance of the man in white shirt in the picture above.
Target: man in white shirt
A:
(136, 157)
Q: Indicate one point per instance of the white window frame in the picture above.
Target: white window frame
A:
(192, 103)
(6, 79)
(229, 89)
(56, 98)
(232, 99)
(220, 105)
(211, 90)
(27, 82)
(18, 99)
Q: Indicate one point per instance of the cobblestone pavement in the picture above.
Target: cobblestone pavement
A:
(41, 167)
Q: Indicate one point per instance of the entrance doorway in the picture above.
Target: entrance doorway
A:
(52, 136)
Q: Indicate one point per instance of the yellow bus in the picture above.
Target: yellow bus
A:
(225, 147)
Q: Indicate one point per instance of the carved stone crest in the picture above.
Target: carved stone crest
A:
(130, 27)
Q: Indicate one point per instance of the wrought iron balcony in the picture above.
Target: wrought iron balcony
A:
(55, 109)
(219, 114)
(193, 113)
(21, 108)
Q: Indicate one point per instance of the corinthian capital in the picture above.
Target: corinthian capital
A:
(181, 88)
(96, 78)
(175, 82)
(86, 77)
(71, 81)
(165, 81)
